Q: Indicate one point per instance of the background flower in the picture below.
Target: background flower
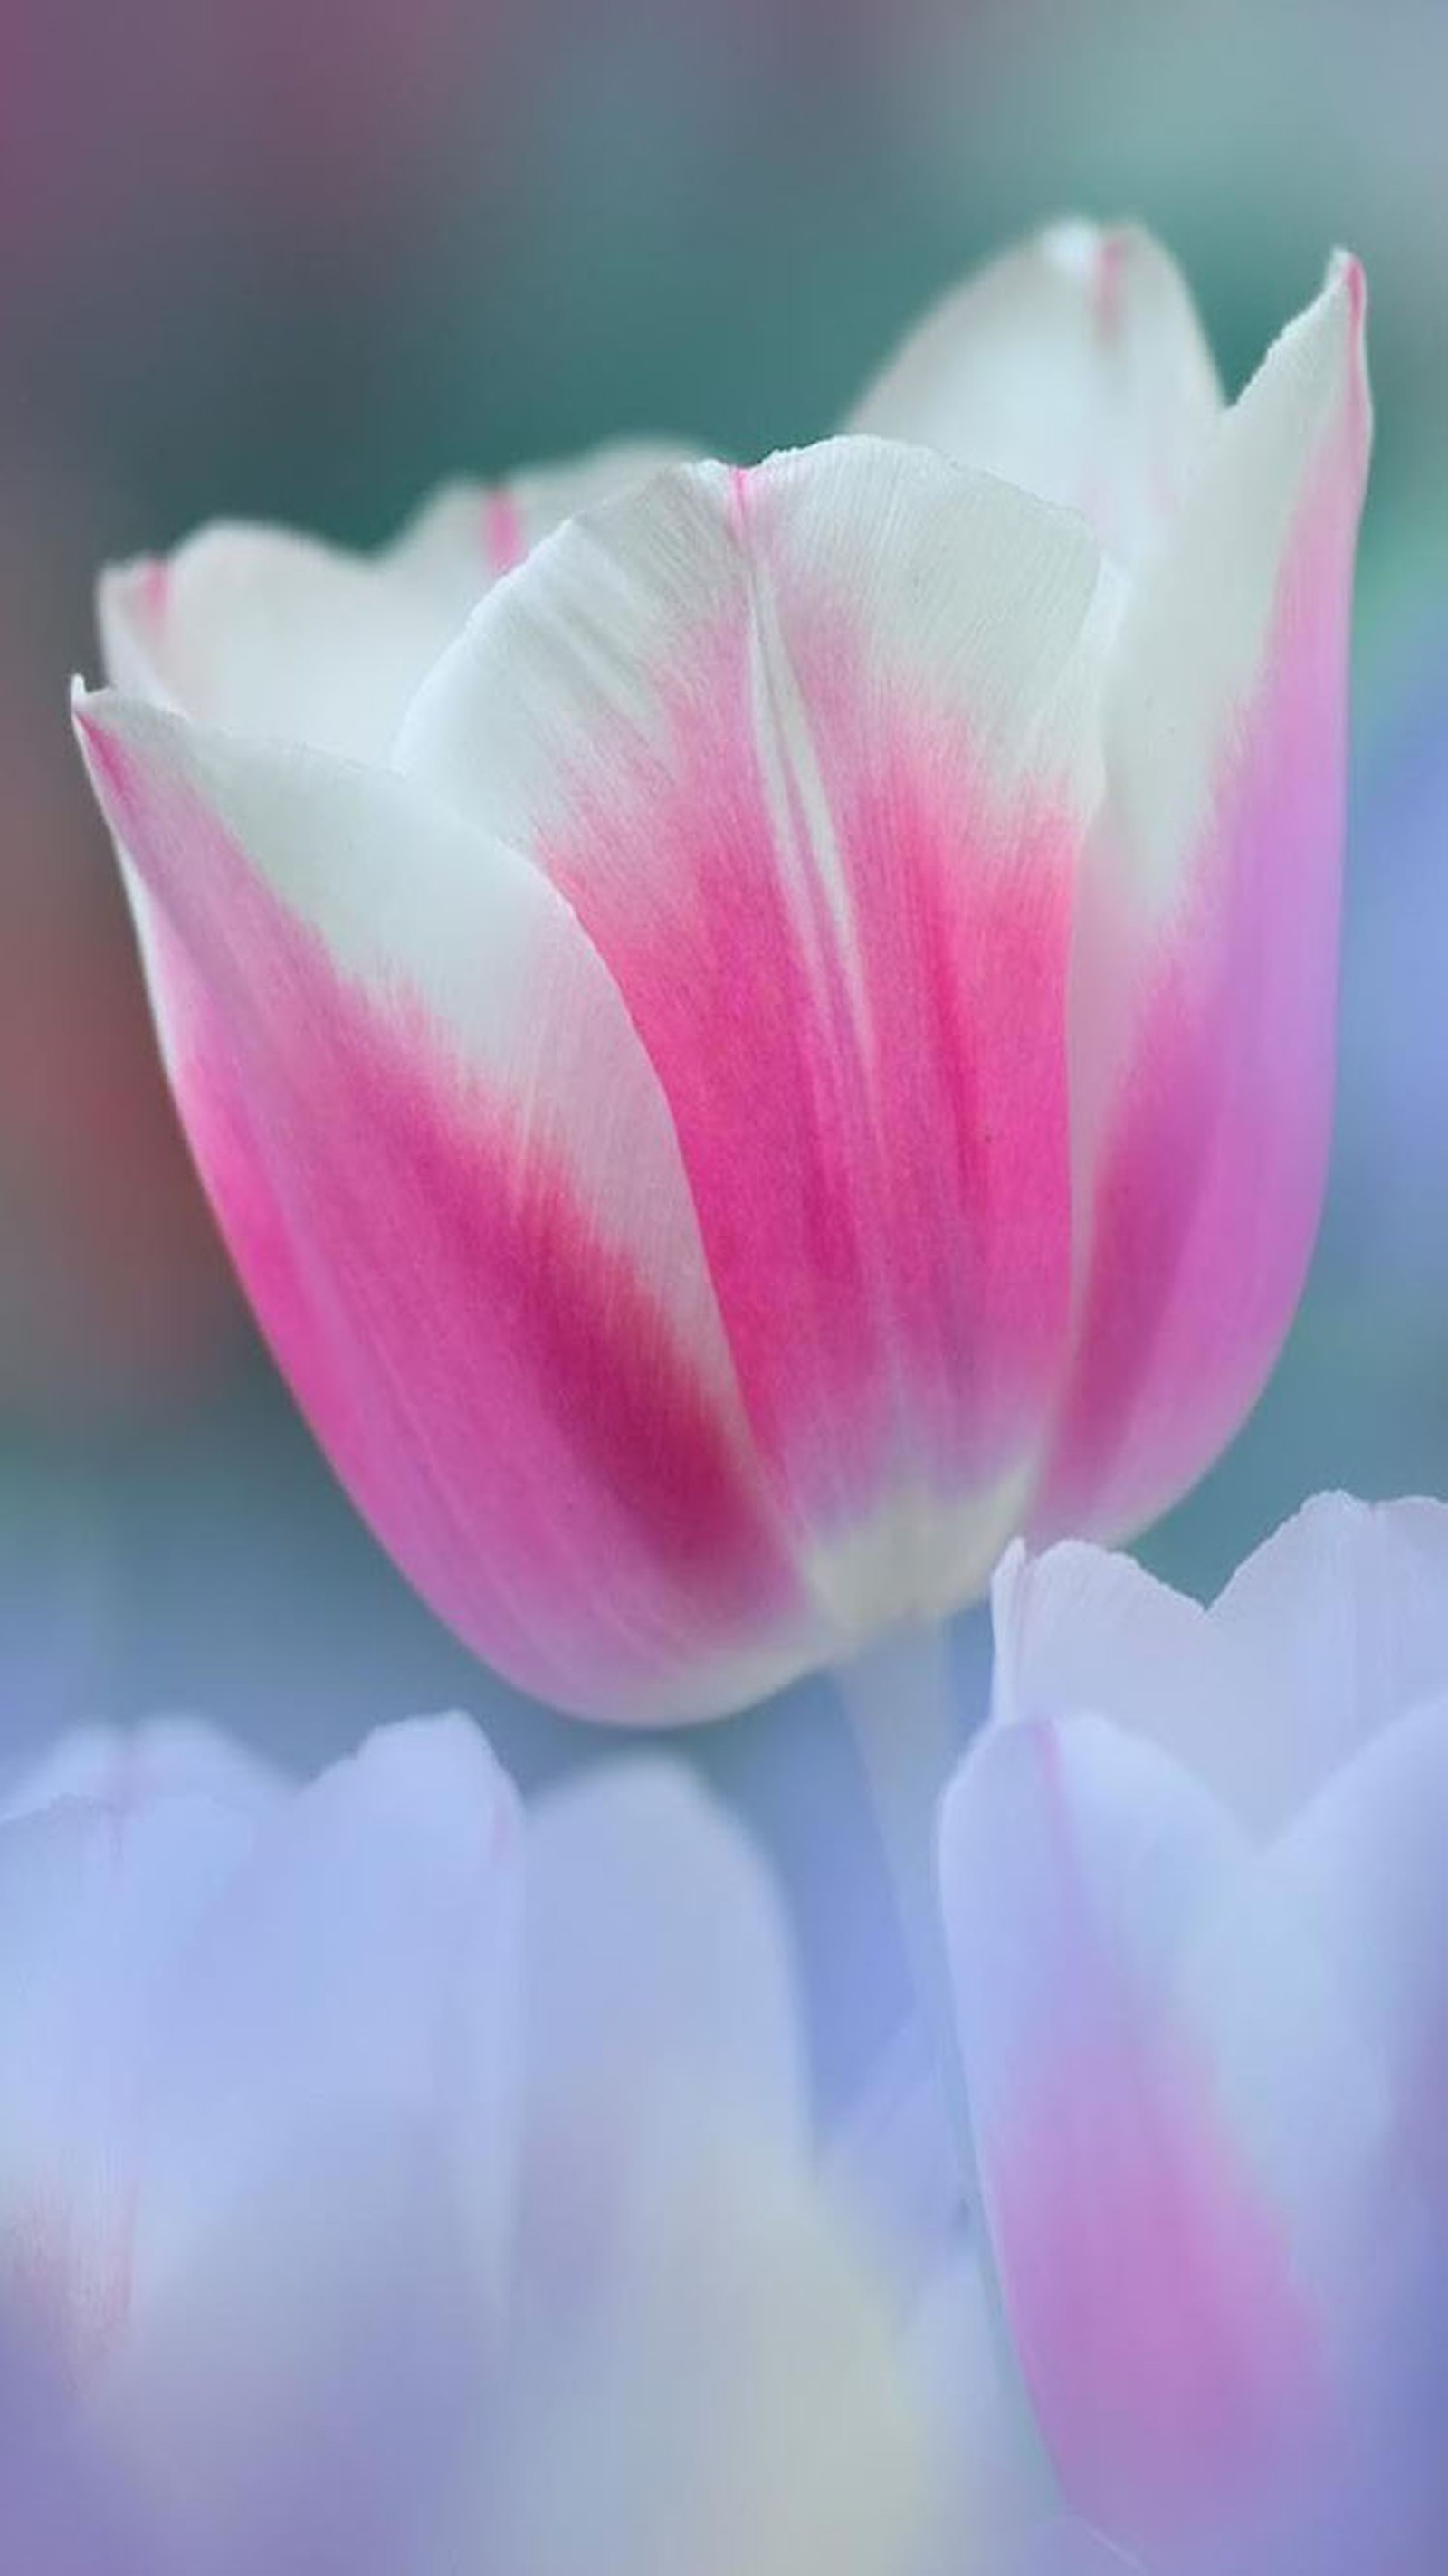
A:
(1193, 1894)
(387, 2183)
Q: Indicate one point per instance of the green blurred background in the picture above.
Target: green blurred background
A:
(282, 258)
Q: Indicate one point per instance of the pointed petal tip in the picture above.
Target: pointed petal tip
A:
(1101, 258)
(1347, 277)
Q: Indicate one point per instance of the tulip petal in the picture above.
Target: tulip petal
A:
(805, 749)
(300, 2394)
(448, 1177)
(1341, 1614)
(97, 1906)
(362, 1969)
(731, 2396)
(1148, 2276)
(657, 1956)
(469, 534)
(258, 630)
(59, 2515)
(1074, 366)
(1080, 1627)
(1204, 975)
(120, 1767)
(1363, 1867)
(1339, 1618)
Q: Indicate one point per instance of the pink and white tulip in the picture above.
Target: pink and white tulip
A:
(391, 2186)
(1194, 1889)
(795, 1040)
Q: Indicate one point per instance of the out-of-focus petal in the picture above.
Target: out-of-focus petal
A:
(657, 1964)
(1336, 1622)
(1081, 1627)
(1338, 1617)
(1075, 366)
(1172, 2353)
(1204, 975)
(258, 630)
(1364, 1868)
(59, 2512)
(300, 2395)
(731, 2397)
(806, 750)
(447, 1174)
(361, 1970)
(97, 1906)
(469, 534)
(122, 1767)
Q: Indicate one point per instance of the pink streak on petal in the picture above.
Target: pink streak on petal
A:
(1161, 2336)
(495, 1388)
(1174, 2366)
(504, 541)
(153, 588)
(880, 1170)
(1211, 1180)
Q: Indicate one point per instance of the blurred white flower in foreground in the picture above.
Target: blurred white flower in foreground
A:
(394, 2187)
(1196, 1899)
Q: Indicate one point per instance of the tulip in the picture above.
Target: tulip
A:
(795, 1040)
(1195, 1898)
(393, 2185)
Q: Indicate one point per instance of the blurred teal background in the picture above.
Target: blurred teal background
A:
(276, 257)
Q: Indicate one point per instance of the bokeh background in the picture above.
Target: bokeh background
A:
(300, 259)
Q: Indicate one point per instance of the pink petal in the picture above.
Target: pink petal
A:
(447, 1176)
(804, 749)
(1075, 365)
(1205, 971)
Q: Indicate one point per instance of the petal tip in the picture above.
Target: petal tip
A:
(1347, 277)
(1099, 258)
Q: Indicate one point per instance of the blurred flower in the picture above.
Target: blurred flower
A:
(631, 1047)
(388, 2185)
(1195, 1894)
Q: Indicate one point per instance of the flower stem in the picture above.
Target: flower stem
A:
(900, 1700)
(900, 1705)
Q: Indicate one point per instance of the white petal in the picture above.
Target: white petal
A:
(732, 2396)
(1339, 1624)
(119, 1767)
(658, 1971)
(99, 1907)
(1075, 366)
(470, 534)
(303, 2394)
(259, 630)
(361, 1970)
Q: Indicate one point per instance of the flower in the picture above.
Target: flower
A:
(393, 2185)
(1194, 1890)
(794, 1041)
